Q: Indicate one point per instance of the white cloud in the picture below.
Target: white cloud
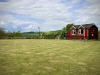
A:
(55, 13)
(89, 13)
(2, 23)
(93, 1)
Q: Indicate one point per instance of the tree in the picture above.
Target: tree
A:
(68, 26)
(65, 30)
(17, 34)
(10, 34)
(98, 31)
(2, 33)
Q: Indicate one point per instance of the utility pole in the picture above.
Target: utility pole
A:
(39, 31)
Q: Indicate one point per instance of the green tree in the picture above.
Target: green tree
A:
(10, 34)
(68, 26)
(2, 33)
(17, 34)
(98, 31)
(65, 30)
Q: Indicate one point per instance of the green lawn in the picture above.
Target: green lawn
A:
(49, 57)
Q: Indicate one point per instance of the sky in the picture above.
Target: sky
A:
(49, 15)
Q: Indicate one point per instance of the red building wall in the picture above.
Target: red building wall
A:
(89, 33)
(93, 32)
(85, 33)
(76, 36)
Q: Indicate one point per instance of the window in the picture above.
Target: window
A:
(80, 31)
(92, 35)
(73, 32)
(93, 31)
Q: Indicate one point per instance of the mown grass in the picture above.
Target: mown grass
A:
(49, 57)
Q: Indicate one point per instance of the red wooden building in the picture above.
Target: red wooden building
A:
(84, 32)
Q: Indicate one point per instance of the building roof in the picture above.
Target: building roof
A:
(87, 25)
(76, 26)
(84, 25)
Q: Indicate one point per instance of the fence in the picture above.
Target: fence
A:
(30, 37)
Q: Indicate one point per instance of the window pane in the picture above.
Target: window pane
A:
(81, 31)
(73, 31)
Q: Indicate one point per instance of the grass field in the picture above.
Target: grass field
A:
(49, 57)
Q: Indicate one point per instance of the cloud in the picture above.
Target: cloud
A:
(47, 14)
(89, 13)
(2, 23)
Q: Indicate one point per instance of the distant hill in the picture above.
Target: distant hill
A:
(28, 33)
(47, 33)
(31, 33)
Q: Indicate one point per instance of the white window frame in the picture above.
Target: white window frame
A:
(80, 31)
(73, 32)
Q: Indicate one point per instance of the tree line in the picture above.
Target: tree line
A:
(35, 35)
(4, 34)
